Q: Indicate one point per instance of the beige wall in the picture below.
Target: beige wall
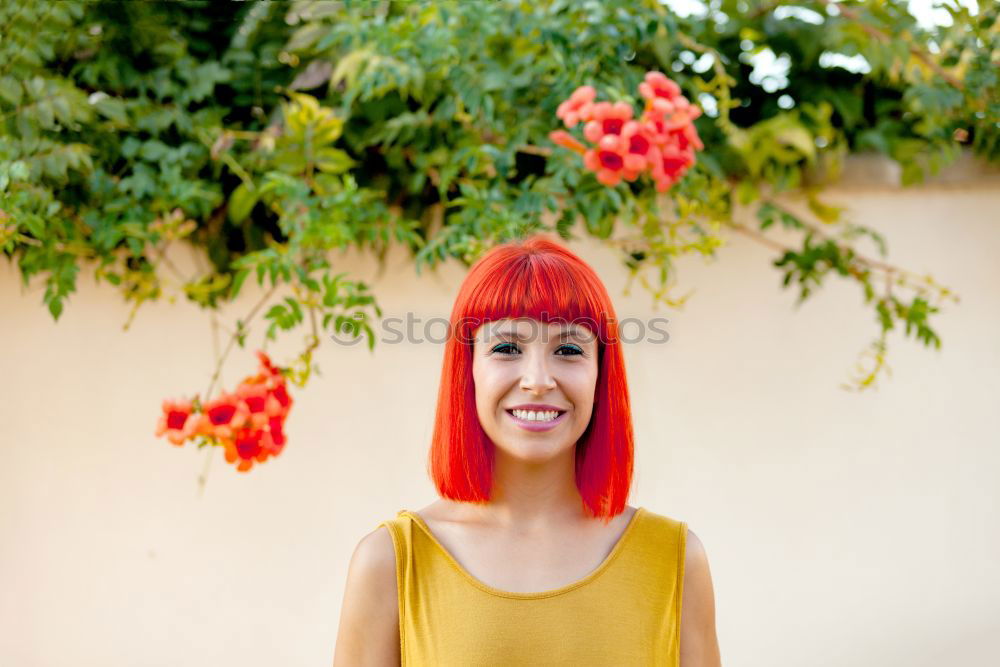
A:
(842, 529)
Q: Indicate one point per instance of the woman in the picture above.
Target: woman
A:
(531, 556)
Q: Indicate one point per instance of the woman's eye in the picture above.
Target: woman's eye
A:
(510, 349)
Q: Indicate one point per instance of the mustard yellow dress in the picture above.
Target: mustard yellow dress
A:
(626, 612)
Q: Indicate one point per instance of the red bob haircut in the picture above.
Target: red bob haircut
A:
(537, 278)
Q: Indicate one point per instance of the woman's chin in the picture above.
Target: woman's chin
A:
(533, 449)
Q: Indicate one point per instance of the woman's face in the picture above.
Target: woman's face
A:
(535, 384)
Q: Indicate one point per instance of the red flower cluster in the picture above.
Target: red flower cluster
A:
(662, 141)
(248, 423)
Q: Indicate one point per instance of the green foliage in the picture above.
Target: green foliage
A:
(269, 134)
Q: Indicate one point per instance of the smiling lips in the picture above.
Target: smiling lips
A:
(537, 417)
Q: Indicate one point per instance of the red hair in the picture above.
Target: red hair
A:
(540, 279)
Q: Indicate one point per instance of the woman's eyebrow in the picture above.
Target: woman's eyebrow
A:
(509, 334)
(575, 333)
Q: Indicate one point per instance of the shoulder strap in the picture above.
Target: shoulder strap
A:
(399, 529)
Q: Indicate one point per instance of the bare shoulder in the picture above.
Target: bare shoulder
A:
(699, 643)
(375, 552)
(369, 616)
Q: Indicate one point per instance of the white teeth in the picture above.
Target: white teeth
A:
(533, 416)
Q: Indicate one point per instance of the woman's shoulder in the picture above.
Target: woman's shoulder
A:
(369, 618)
(375, 549)
(373, 562)
(699, 642)
(684, 550)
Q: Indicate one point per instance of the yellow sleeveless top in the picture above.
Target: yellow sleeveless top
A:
(626, 612)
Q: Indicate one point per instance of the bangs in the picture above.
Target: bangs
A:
(544, 287)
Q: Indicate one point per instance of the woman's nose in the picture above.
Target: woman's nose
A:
(536, 377)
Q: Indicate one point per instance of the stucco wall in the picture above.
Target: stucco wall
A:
(842, 529)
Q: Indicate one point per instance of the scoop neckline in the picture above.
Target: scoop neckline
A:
(594, 574)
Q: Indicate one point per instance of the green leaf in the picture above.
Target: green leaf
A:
(333, 161)
(114, 109)
(153, 150)
(241, 276)
(10, 90)
(746, 192)
(241, 203)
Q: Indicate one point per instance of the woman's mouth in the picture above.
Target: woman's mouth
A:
(537, 420)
